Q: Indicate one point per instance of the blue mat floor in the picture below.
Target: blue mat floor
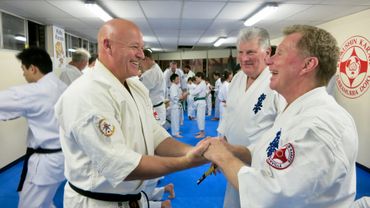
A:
(209, 194)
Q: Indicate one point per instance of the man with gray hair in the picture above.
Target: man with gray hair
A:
(251, 105)
(308, 157)
(74, 69)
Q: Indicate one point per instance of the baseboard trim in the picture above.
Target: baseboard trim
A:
(11, 164)
(363, 167)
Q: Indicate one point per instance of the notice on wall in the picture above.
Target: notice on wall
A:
(59, 47)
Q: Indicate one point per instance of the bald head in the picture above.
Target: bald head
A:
(120, 47)
(115, 29)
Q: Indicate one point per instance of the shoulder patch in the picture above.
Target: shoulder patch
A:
(106, 128)
(282, 157)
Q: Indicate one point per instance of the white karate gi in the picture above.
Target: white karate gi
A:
(190, 100)
(105, 129)
(240, 124)
(154, 193)
(167, 74)
(218, 84)
(222, 97)
(363, 202)
(209, 100)
(153, 80)
(318, 140)
(35, 102)
(187, 76)
(200, 91)
(69, 74)
(175, 93)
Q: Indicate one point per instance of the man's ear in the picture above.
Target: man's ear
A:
(310, 64)
(107, 46)
(34, 69)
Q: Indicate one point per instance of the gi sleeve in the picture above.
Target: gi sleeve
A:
(12, 104)
(148, 80)
(101, 139)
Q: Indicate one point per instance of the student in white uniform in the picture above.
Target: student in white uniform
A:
(174, 70)
(222, 94)
(218, 84)
(307, 159)
(208, 97)
(43, 168)
(251, 105)
(175, 102)
(199, 93)
(73, 69)
(190, 99)
(108, 133)
(155, 194)
(153, 80)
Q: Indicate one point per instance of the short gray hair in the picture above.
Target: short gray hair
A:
(80, 54)
(250, 33)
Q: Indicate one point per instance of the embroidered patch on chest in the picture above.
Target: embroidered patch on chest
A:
(258, 106)
(279, 158)
(106, 128)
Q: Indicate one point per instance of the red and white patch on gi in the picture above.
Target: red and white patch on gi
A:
(155, 114)
(282, 158)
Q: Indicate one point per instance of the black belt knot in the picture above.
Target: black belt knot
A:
(29, 152)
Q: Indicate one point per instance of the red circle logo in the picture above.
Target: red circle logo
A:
(353, 76)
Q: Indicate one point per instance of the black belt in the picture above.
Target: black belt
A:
(30, 152)
(159, 104)
(131, 198)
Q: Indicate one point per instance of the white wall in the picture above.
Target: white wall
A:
(359, 108)
(12, 133)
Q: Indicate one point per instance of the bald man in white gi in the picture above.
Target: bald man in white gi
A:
(108, 133)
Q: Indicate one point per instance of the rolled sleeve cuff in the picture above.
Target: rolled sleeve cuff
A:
(117, 170)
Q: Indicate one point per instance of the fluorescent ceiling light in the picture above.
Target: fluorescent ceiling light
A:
(20, 38)
(262, 13)
(98, 11)
(219, 41)
(71, 50)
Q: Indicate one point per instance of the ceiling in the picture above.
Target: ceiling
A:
(171, 24)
